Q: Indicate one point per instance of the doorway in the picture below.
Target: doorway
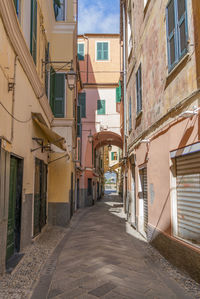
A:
(40, 196)
(14, 207)
(133, 199)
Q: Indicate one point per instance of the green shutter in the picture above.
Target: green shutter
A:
(112, 156)
(101, 107)
(82, 103)
(118, 93)
(102, 51)
(78, 121)
(81, 51)
(57, 98)
(34, 29)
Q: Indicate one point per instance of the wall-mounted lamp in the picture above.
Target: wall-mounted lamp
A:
(71, 78)
(90, 136)
(145, 141)
(109, 147)
(70, 75)
(188, 113)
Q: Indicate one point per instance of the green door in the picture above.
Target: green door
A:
(12, 208)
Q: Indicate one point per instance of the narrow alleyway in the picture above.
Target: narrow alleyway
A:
(99, 258)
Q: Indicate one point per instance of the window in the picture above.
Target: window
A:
(118, 93)
(139, 90)
(17, 4)
(59, 10)
(177, 32)
(102, 51)
(130, 115)
(34, 29)
(114, 156)
(89, 186)
(57, 94)
(81, 53)
(82, 103)
(101, 109)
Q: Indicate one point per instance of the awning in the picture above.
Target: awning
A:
(52, 137)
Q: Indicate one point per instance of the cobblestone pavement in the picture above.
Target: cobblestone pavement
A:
(104, 257)
(18, 284)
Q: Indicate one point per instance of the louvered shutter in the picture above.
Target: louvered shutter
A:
(59, 99)
(171, 36)
(182, 27)
(82, 103)
(78, 121)
(101, 107)
(34, 29)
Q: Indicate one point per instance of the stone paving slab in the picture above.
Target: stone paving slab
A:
(104, 258)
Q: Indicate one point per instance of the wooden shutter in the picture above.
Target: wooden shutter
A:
(99, 51)
(78, 121)
(112, 156)
(139, 89)
(171, 33)
(130, 114)
(118, 93)
(82, 103)
(34, 29)
(52, 88)
(182, 26)
(59, 95)
(105, 51)
(101, 107)
(46, 72)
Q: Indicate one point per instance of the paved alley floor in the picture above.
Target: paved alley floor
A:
(99, 258)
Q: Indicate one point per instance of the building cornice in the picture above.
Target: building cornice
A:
(64, 28)
(18, 42)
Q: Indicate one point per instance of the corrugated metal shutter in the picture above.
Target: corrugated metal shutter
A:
(188, 197)
(145, 200)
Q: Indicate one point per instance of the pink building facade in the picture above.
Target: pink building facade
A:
(99, 60)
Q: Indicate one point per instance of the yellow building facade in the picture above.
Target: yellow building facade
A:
(37, 119)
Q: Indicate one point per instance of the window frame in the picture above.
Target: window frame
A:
(176, 34)
(65, 12)
(102, 60)
(130, 114)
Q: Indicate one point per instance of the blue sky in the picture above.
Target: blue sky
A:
(98, 16)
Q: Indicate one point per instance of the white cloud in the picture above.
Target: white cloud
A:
(97, 18)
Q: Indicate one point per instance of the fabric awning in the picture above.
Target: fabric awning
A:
(119, 164)
(52, 137)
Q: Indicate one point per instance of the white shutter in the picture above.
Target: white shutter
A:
(188, 197)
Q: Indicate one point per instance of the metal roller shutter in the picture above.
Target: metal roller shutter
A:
(145, 199)
(188, 197)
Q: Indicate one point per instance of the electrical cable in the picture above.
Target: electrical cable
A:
(18, 120)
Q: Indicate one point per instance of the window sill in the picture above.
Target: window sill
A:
(177, 69)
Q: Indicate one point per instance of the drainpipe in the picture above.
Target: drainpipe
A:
(85, 37)
(124, 89)
(13, 98)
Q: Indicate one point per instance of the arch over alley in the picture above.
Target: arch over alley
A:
(105, 138)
